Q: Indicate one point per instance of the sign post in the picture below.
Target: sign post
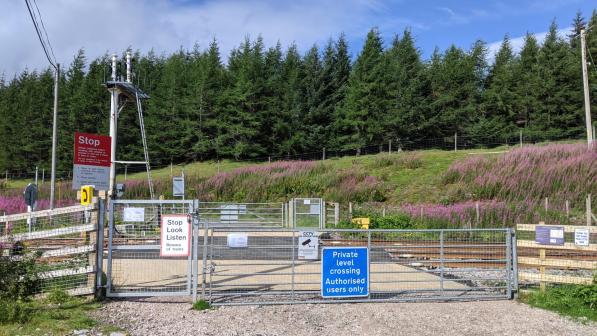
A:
(344, 272)
(30, 195)
(92, 161)
(175, 236)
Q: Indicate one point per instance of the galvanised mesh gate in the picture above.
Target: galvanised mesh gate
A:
(242, 215)
(134, 266)
(307, 212)
(405, 265)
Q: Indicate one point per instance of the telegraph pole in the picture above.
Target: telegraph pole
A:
(54, 137)
(585, 81)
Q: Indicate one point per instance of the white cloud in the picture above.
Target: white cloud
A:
(113, 25)
(518, 42)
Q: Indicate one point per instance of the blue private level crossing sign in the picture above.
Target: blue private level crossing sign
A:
(344, 272)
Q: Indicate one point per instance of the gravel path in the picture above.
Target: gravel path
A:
(159, 316)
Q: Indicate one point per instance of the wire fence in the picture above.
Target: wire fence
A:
(455, 142)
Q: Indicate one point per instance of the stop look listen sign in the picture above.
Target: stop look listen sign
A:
(175, 236)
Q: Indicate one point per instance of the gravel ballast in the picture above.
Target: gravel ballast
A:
(169, 316)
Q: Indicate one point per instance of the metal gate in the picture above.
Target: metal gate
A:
(134, 266)
(307, 212)
(404, 265)
(242, 215)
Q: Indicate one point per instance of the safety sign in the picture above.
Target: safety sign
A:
(549, 235)
(344, 272)
(91, 161)
(308, 245)
(581, 237)
(176, 236)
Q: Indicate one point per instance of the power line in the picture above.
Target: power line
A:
(45, 31)
(43, 45)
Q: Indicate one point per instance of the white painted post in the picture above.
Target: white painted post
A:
(567, 209)
(350, 210)
(336, 213)
(546, 204)
(477, 213)
(589, 212)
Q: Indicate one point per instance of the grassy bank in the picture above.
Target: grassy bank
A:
(576, 301)
(55, 315)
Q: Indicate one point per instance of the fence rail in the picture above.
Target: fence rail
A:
(562, 259)
(65, 240)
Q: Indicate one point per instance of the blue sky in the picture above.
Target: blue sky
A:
(101, 26)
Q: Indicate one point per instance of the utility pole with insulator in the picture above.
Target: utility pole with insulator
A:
(585, 82)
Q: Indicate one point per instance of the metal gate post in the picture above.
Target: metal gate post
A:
(514, 261)
(204, 267)
(190, 257)
(99, 248)
(110, 238)
(195, 267)
(368, 262)
(509, 262)
(441, 260)
(293, 262)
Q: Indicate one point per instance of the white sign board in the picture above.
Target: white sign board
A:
(134, 215)
(176, 236)
(308, 245)
(581, 237)
(178, 186)
(307, 201)
(237, 240)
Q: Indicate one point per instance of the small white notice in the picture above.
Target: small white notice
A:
(581, 237)
(308, 245)
(307, 201)
(176, 236)
(237, 240)
(178, 186)
(133, 215)
(557, 233)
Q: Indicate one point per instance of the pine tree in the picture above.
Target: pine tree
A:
(407, 90)
(561, 109)
(364, 108)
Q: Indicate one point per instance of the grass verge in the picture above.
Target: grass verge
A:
(576, 301)
(55, 315)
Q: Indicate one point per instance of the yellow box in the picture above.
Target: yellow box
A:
(362, 221)
(86, 195)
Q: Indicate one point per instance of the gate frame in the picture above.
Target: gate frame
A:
(295, 213)
(192, 206)
(510, 268)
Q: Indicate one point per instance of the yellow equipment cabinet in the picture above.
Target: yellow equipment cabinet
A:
(363, 222)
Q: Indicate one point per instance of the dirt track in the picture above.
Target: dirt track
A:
(158, 316)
